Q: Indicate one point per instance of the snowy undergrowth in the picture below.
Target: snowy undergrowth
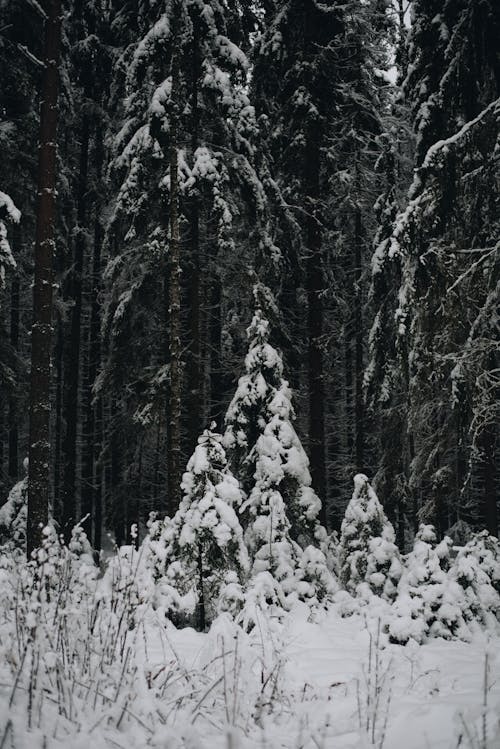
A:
(87, 659)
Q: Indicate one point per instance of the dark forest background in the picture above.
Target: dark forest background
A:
(343, 154)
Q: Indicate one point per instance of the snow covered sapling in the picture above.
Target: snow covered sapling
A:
(281, 509)
(429, 601)
(368, 555)
(477, 570)
(262, 443)
(201, 550)
(13, 516)
(8, 213)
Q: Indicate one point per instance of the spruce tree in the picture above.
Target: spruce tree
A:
(201, 548)
(369, 559)
(8, 214)
(264, 448)
(429, 603)
(294, 88)
(280, 512)
(186, 73)
(446, 239)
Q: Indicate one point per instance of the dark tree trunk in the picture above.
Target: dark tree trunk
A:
(215, 336)
(174, 404)
(72, 362)
(91, 484)
(201, 593)
(194, 370)
(490, 483)
(58, 426)
(315, 287)
(13, 415)
(41, 331)
(358, 345)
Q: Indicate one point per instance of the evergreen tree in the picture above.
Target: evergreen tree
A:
(281, 509)
(368, 557)
(446, 239)
(21, 42)
(294, 82)
(264, 448)
(201, 548)
(429, 602)
(8, 213)
(476, 569)
(187, 51)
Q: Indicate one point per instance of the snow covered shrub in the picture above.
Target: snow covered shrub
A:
(429, 602)
(477, 570)
(260, 438)
(194, 551)
(368, 556)
(13, 517)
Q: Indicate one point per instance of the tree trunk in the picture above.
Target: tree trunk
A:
(13, 415)
(72, 364)
(41, 331)
(174, 401)
(91, 484)
(490, 488)
(217, 378)
(194, 371)
(358, 346)
(315, 286)
(201, 593)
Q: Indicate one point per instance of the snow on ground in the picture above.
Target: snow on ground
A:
(335, 683)
(416, 697)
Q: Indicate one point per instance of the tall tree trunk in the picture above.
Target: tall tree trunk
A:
(194, 371)
(91, 484)
(315, 286)
(13, 415)
(72, 362)
(215, 337)
(488, 443)
(174, 404)
(358, 345)
(41, 331)
(490, 510)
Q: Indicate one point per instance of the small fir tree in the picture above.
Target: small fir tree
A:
(367, 552)
(201, 548)
(430, 603)
(8, 213)
(477, 570)
(264, 447)
(13, 517)
(281, 509)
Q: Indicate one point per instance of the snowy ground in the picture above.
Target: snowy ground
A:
(332, 684)
(328, 696)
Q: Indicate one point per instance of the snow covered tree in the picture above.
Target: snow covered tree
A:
(385, 381)
(446, 241)
(476, 569)
(13, 516)
(293, 80)
(368, 557)
(201, 549)
(8, 213)
(430, 603)
(281, 509)
(220, 196)
(264, 448)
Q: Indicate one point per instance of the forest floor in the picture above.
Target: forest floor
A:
(335, 683)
